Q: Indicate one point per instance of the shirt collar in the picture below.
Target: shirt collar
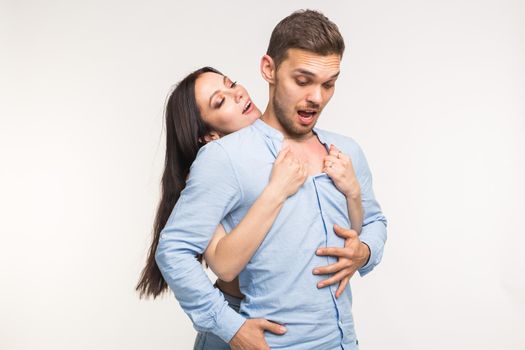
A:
(268, 130)
(276, 135)
(322, 137)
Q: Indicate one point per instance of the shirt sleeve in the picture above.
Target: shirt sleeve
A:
(373, 232)
(212, 190)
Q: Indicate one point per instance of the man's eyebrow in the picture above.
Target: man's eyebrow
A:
(308, 73)
(217, 91)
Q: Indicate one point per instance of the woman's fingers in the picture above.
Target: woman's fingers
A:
(303, 172)
(335, 152)
(342, 158)
(282, 154)
(330, 162)
(331, 158)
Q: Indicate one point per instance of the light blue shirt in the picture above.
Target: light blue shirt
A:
(225, 179)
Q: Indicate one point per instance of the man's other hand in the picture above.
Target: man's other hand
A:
(351, 257)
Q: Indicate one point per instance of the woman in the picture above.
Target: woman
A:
(205, 106)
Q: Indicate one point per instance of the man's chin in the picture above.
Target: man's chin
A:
(305, 125)
(293, 124)
(300, 131)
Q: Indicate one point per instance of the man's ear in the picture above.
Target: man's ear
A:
(268, 69)
(211, 136)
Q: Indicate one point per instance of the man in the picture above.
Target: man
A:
(301, 67)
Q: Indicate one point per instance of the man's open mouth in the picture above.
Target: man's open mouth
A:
(307, 116)
(307, 113)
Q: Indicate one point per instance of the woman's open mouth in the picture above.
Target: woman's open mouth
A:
(248, 107)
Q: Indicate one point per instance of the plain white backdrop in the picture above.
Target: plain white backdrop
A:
(432, 90)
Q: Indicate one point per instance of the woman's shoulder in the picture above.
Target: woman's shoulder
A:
(240, 138)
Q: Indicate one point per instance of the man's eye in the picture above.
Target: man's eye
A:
(233, 84)
(302, 82)
(328, 86)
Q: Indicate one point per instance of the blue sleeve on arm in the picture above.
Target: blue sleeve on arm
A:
(212, 190)
(373, 232)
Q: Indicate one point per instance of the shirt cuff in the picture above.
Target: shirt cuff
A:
(375, 254)
(228, 323)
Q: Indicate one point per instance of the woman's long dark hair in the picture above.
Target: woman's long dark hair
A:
(184, 128)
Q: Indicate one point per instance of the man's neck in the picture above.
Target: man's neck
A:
(269, 118)
(307, 148)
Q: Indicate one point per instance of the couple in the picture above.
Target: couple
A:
(270, 202)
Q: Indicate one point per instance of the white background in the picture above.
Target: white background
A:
(432, 90)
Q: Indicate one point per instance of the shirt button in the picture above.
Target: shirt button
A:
(341, 323)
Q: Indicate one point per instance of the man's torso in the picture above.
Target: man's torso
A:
(278, 283)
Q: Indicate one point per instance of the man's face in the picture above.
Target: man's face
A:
(304, 83)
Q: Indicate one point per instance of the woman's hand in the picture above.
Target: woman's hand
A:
(288, 174)
(339, 168)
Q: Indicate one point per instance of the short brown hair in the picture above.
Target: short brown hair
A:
(306, 30)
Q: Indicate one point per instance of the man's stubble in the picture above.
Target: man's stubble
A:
(287, 124)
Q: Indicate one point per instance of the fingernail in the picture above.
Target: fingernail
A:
(282, 329)
(316, 271)
(320, 285)
(319, 251)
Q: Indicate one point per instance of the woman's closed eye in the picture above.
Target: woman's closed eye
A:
(230, 84)
(220, 102)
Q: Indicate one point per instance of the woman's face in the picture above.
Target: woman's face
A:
(225, 106)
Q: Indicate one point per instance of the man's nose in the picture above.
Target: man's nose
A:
(315, 95)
